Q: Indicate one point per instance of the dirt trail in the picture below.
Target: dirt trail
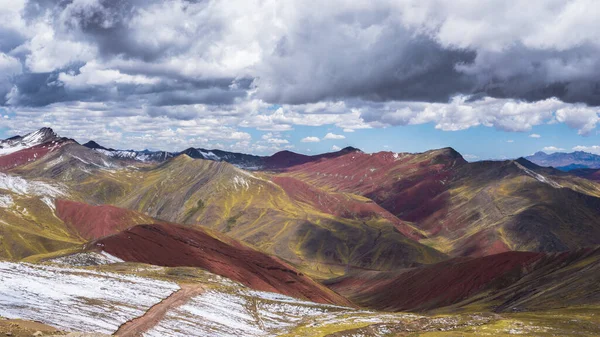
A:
(136, 327)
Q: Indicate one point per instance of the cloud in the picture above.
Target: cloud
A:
(470, 157)
(579, 117)
(272, 139)
(377, 52)
(270, 66)
(551, 149)
(462, 113)
(510, 141)
(595, 149)
(336, 148)
(534, 135)
(333, 136)
(310, 140)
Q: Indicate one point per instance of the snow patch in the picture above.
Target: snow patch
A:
(11, 149)
(209, 155)
(76, 299)
(35, 138)
(539, 177)
(241, 182)
(251, 313)
(21, 186)
(230, 314)
(6, 201)
(141, 156)
(87, 259)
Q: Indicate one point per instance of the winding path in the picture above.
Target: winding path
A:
(137, 326)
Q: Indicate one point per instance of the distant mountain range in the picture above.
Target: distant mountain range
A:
(276, 161)
(566, 161)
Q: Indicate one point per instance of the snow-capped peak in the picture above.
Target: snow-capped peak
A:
(14, 144)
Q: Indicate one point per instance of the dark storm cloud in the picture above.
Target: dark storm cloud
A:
(571, 75)
(40, 89)
(213, 96)
(37, 89)
(205, 52)
(396, 67)
(10, 39)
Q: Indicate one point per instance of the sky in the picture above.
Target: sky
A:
(490, 78)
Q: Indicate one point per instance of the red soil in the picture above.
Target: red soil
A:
(412, 187)
(175, 245)
(434, 286)
(28, 155)
(341, 205)
(93, 222)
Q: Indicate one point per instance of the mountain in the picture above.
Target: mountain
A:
(591, 174)
(511, 281)
(278, 161)
(132, 236)
(293, 243)
(142, 156)
(412, 206)
(254, 208)
(28, 223)
(351, 231)
(174, 245)
(17, 150)
(17, 143)
(566, 161)
(469, 209)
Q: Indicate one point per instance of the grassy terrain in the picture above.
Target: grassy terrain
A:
(246, 206)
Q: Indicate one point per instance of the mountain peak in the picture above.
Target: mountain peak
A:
(40, 136)
(95, 146)
(350, 149)
(526, 163)
(449, 152)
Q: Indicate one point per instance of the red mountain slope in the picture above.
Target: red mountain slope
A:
(175, 245)
(501, 282)
(468, 209)
(31, 154)
(93, 222)
(341, 204)
(410, 186)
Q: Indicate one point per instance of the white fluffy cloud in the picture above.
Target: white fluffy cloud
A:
(503, 114)
(551, 149)
(310, 140)
(581, 118)
(595, 149)
(534, 135)
(336, 148)
(273, 139)
(333, 136)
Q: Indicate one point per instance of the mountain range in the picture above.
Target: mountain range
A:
(566, 161)
(421, 232)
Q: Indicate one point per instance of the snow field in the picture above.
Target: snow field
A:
(76, 299)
